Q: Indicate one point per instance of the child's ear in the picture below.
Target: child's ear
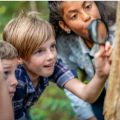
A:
(19, 59)
(64, 26)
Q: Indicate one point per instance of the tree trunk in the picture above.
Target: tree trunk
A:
(112, 100)
(33, 5)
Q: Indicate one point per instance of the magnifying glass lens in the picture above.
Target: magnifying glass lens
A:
(98, 31)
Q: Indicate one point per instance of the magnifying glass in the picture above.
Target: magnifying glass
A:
(98, 31)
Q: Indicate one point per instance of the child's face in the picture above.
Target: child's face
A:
(77, 15)
(42, 62)
(9, 67)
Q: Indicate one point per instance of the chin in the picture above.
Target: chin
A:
(48, 74)
(11, 96)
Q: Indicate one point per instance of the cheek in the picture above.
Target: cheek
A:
(8, 84)
(37, 63)
(55, 54)
(96, 13)
(76, 27)
(80, 30)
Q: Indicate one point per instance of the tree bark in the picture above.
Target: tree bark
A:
(112, 100)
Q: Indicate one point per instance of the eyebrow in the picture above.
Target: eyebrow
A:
(75, 10)
(7, 67)
(72, 11)
(42, 47)
(84, 3)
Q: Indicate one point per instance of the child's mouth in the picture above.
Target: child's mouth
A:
(49, 66)
(12, 94)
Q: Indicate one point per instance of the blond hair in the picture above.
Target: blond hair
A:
(7, 51)
(27, 32)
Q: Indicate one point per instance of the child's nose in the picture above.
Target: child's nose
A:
(14, 81)
(50, 55)
(85, 16)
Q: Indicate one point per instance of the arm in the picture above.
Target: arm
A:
(91, 91)
(5, 101)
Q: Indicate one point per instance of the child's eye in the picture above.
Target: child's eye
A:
(38, 51)
(88, 5)
(53, 46)
(74, 16)
(6, 73)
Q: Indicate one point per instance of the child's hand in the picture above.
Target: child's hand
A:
(102, 60)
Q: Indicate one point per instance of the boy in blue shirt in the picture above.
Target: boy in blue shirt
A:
(35, 42)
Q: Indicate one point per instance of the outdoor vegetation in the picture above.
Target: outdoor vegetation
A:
(53, 104)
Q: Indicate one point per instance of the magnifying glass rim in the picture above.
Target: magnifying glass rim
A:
(93, 31)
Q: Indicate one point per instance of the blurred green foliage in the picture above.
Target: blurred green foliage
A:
(9, 9)
(53, 104)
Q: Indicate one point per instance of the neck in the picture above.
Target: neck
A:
(33, 77)
(89, 43)
(35, 80)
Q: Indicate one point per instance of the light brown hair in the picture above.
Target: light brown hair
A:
(27, 32)
(7, 51)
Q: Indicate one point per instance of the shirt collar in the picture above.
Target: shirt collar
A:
(86, 50)
(30, 88)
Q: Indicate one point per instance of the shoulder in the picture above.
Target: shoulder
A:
(20, 72)
(59, 66)
(65, 36)
(21, 76)
(61, 74)
(20, 90)
(66, 43)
